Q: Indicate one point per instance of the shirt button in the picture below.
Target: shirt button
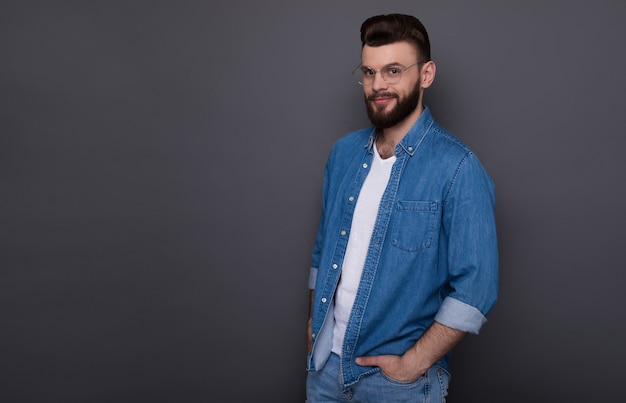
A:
(364, 165)
(335, 266)
(410, 148)
(343, 232)
(324, 300)
(313, 335)
(351, 198)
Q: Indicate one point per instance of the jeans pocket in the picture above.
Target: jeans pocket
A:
(443, 376)
(400, 383)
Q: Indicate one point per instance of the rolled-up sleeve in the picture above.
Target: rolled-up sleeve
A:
(461, 316)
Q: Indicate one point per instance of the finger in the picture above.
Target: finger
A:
(364, 361)
(369, 361)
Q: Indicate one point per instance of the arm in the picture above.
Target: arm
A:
(315, 257)
(309, 336)
(436, 342)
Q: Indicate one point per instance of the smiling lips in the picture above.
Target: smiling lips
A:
(382, 98)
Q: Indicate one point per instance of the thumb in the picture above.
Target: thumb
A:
(371, 361)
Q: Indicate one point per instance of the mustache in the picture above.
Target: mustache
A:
(381, 95)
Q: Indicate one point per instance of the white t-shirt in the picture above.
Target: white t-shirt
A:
(363, 221)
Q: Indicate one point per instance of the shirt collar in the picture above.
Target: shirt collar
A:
(412, 140)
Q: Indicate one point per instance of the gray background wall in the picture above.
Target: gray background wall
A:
(161, 163)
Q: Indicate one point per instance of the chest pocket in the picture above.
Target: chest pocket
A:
(414, 225)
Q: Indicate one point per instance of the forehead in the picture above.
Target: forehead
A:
(400, 52)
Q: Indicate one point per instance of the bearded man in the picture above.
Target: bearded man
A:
(405, 261)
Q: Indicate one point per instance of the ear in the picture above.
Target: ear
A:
(428, 74)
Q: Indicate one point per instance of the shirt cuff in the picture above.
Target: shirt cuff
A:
(459, 315)
(312, 278)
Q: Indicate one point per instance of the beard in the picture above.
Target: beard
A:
(404, 107)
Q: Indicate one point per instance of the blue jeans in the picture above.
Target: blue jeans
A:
(325, 386)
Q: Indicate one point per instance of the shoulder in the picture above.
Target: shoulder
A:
(453, 155)
(443, 139)
(355, 138)
(352, 142)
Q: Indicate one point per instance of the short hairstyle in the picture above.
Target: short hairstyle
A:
(387, 29)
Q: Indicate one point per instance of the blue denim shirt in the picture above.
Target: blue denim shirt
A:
(433, 253)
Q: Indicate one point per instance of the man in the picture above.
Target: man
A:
(405, 260)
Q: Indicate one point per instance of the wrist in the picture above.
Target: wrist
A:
(416, 359)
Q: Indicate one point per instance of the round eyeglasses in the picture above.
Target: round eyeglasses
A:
(391, 74)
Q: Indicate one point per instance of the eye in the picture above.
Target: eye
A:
(393, 71)
(368, 72)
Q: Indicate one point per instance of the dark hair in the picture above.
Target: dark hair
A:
(386, 29)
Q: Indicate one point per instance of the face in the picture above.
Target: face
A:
(389, 104)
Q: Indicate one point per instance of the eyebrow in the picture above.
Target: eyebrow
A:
(392, 64)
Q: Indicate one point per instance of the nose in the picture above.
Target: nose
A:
(379, 83)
